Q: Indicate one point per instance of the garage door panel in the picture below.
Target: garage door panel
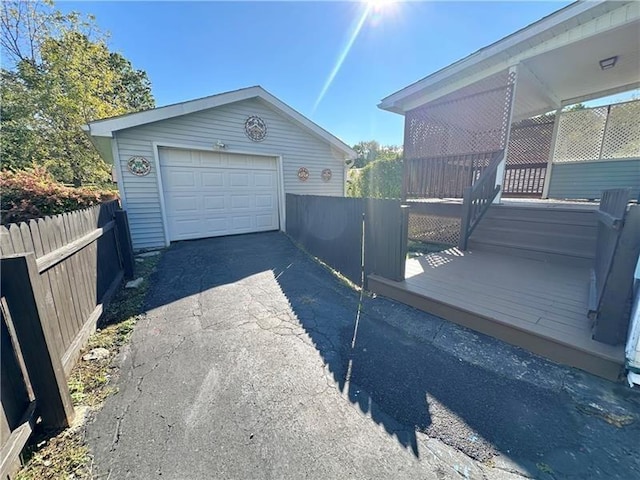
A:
(239, 179)
(264, 201)
(215, 226)
(212, 194)
(185, 204)
(186, 227)
(212, 179)
(264, 221)
(182, 178)
(242, 202)
(264, 179)
(242, 223)
(214, 202)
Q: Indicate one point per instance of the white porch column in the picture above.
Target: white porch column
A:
(501, 167)
(554, 136)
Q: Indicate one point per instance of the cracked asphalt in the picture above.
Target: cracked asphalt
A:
(252, 362)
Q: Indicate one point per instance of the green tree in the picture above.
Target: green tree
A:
(381, 178)
(60, 74)
(367, 151)
(381, 173)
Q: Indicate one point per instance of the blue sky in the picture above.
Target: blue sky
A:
(195, 49)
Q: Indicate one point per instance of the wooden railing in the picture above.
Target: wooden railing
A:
(443, 177)
(526, 180)
(477, 199)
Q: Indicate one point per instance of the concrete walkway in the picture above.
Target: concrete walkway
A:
(251, 363)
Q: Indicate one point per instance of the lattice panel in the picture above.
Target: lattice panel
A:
(471, 120)
(530, 141)
(580, 135)
(434, 229)
(622, 135)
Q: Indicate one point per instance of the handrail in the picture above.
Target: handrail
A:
(477, 199)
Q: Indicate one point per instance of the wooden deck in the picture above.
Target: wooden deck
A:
(539, 306)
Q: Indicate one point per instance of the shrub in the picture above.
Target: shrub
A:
(379, 179)
(33, 193)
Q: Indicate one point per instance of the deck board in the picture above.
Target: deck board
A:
(539, 299)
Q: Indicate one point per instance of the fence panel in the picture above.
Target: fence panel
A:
(16, 412)
(333, 229)
(329, 228)
(386, 229)
(57, 274)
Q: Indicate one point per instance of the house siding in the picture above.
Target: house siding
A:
(285, 138)
(588, 179)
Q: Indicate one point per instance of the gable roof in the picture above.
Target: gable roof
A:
(514, 48)
(106, 127)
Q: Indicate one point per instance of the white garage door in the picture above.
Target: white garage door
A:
(208, 194)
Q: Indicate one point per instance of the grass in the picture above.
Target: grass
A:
(64, 454)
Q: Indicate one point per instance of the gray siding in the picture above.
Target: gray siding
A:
(589, 179)
(295, 144)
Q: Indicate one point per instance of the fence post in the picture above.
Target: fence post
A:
(614, 309)
(123, 236)
(21, 286)
(404, 241)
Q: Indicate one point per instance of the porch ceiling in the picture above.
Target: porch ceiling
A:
(557, 58)
(572, 74)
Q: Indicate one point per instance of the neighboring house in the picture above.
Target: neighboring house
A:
(218, 165)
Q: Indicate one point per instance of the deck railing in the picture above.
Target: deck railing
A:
(617, 250)
(477, 199)
(445, 176)
(524, 180)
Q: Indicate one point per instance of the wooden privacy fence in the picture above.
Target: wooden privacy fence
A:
(57, 275)
(334, 229)
(617, 250)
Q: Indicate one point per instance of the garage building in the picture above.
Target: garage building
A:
(218, 165)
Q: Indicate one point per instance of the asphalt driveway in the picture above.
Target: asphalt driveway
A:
(253, 362)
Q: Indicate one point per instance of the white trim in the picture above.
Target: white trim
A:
(552, 149)
(115, 152)
(512, 106)
(281, 194)
(106, 127)
(575, 22)
(183, 146)
(601, 94)
(163, 209)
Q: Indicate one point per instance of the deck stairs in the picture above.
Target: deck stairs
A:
(548, 232)
(524, 278)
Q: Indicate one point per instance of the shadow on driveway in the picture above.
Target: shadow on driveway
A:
(404, 384)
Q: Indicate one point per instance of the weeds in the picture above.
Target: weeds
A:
(64, 455)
